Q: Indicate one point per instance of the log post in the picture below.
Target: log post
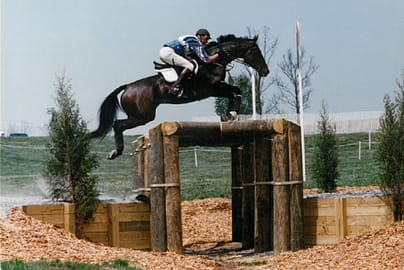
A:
(158, 230)
(237, 192)
(296, 190)
(138, 166)
(263, 240)
(173, 194)
(248, 195)
(281, 194)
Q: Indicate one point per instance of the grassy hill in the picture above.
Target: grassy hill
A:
(21, 166)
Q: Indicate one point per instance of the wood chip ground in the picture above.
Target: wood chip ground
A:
(206, 230)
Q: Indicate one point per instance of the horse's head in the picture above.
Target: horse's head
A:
(245, 48)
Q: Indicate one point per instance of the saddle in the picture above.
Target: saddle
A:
(169, 72)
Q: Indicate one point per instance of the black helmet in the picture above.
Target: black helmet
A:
(202, 32)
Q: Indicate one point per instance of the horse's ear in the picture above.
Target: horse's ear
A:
(255, 38)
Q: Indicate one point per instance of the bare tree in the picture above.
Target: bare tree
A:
(288, 88)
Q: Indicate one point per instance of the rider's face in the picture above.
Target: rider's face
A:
(203, 38)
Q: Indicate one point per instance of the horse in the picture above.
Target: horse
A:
(140, 99)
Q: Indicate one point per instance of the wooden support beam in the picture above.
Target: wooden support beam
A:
(296, 191)
(281, 194)
(263, 240)
(157, 195)
(173, 194)
(138, 165)
(237, 192)
(248, 195)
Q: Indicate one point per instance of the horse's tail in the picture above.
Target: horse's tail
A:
(107, 114)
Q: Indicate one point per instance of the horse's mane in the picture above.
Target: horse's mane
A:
(227, 38)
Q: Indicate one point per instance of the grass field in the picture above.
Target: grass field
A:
(21, 167)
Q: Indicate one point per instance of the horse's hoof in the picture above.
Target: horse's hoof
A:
(114, 154)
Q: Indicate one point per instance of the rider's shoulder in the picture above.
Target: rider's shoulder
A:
(189, 38)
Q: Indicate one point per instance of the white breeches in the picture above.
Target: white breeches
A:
(168, 56)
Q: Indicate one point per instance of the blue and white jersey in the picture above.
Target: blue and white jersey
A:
(188, 44)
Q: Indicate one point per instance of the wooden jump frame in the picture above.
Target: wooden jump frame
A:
(267, 188)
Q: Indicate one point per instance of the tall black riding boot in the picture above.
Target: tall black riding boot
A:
(177, 88)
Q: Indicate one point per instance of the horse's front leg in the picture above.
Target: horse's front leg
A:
(233, 94)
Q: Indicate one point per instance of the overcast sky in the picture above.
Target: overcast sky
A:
(101, 44)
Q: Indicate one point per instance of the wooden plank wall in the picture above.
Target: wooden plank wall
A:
(119, 224)
(329, 220)
(326, 221)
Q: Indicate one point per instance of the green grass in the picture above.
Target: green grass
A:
(21, 167)
(59, 265)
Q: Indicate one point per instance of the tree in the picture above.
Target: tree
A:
(70, 161)
(288, 88)
(390, 150)
(324, 166)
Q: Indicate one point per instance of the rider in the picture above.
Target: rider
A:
(178, 51)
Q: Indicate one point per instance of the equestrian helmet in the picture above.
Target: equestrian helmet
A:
(202, 32)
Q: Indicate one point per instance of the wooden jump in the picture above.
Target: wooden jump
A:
(267, 188)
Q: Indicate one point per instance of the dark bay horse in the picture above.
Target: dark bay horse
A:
(139, 99)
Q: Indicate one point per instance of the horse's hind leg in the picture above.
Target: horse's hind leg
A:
(119, 127)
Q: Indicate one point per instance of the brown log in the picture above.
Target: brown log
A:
(221, 133)
(146, 166)
(281, 194)
(296, 191)
(138, 165)
(237, 192)
(248, 196)
(173, 194)
(263, 196)
(157, 196)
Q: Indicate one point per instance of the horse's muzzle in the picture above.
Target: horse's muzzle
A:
(264, 71)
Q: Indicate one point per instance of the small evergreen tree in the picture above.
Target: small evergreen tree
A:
(390, 151)
(70, 161)
(324, 166)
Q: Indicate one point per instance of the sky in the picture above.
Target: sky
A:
(102, 44)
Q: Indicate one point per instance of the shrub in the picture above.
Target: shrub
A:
(390, 151)
(325, 155)
(70, 161)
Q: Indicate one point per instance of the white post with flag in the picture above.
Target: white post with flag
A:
(300, 88)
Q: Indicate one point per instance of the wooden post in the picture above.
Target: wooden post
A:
(69, 218)
(138, 165)
(237, 193)
(113, 221)
(248, 196)
(173, 194)
(158, 230)
(281, 194)
(263, 197)
(296, 190)
(146, 158)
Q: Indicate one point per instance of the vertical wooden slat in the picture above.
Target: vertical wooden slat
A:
(173, 194)
(248, 195)
(113, 221)
(69, 218)
(263, 240)
(157, 196)
(296, 190)
(281, 194)
(237, 193)
(340, 218)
